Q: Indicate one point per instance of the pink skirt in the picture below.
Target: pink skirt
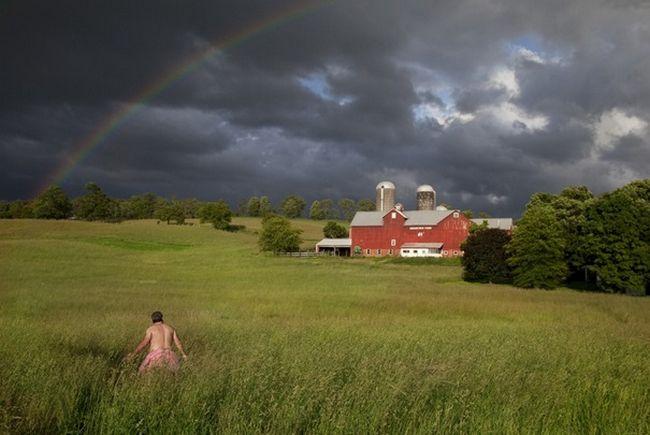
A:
(160, 358)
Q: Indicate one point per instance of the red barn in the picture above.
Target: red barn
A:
(415, 233)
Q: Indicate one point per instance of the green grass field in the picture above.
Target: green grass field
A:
(282, 344)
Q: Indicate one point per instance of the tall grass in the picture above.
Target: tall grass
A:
(299, 345)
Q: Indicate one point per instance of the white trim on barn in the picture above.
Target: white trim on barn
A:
(421, 250)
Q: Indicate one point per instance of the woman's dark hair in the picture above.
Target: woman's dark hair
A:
(156, 317)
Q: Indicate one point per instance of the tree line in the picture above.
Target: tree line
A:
(599, 242)
(95, 205)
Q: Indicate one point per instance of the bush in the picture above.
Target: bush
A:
(52, 204)
(485, 257)
(217, 213)
(277, 235)
(333, 230)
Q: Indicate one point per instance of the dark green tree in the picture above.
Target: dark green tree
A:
(537, 249)
(366, 205)
(616, 239)
(485, 256)
(334, 230)
(469, 214)
(5, 212)
(348, 208)
(21, 209)
(171, 211)
(140, 206)
(277, 235)
(53, 203)
(293, 206)
(217, 213)
(481, 214)
(95, 205)
(191, 207)
(253, 206)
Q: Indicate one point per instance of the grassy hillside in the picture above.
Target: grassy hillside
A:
(289, 345)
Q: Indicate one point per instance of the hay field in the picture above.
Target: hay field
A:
(299, 345)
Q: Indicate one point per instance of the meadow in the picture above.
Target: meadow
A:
(279, 344)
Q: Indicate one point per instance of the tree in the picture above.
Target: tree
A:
(140, 206)
(277, 235)
(570, 207)
(265, 206)
(253, 206)
(191, 207)
(537, 249)
(217, 213)
(293, 206)
(482, 214)
(348, 208)
(323, 209)
(5, 212)
(328, 209)
(485, 256)
(366, 205)
(333, 230)
(468, 213)
(53, 203)
(95, 205)
(20, 209)
(171, 211)
(242, 207)
(615, 240)
(315, 211)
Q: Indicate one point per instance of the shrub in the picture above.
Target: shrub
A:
(217, 213)
(485, 257)
(277, 235)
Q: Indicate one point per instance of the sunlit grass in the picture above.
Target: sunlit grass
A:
(291, 345)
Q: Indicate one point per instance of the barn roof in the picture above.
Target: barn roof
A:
(334, 243)
(499, 223)
(413, 217)
(426, 217)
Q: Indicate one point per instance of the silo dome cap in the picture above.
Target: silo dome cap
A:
(385, 185)
(441, 208)
(425, 188)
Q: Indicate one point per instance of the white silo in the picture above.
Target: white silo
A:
(385, 199)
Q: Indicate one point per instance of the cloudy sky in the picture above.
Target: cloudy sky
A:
(487, 100)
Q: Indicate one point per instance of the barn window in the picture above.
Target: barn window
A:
(393, 242)
(444, 252)
(378, 251)
(456, 215)
(393, 215)
(368, 251)
(455, 252)
(406, 251)
(390, 252)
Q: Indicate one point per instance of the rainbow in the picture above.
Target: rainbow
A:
(84, 148)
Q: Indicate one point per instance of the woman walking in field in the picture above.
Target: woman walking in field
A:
(159, 337)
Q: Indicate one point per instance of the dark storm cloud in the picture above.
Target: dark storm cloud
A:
(488, 101)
